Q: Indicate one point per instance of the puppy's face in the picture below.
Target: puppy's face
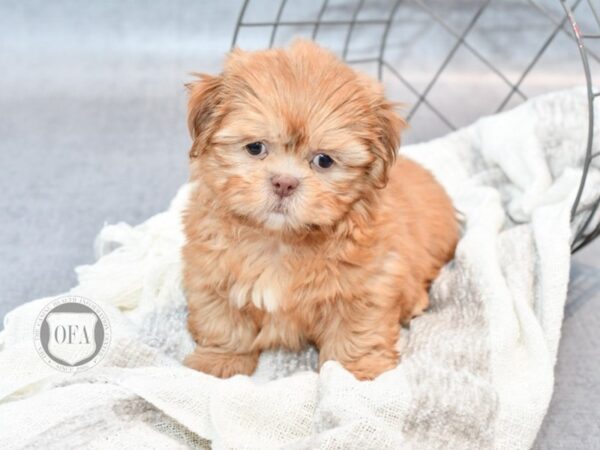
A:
(290, 139)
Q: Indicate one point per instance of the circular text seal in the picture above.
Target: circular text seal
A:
(71, 333)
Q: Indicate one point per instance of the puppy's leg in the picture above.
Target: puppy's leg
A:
(219, 363)
(223, 336)
(363, 340)
(416, 307)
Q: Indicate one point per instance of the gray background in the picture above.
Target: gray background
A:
(92, 130)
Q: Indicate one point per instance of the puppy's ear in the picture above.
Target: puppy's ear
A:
(388, 128)
(204, 110)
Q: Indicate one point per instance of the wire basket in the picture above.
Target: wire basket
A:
(507, 41)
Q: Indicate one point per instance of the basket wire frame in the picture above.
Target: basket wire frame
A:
(586, 230)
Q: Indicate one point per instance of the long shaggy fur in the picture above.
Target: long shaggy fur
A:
(341, 262)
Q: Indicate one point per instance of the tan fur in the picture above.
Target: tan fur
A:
(342, 261)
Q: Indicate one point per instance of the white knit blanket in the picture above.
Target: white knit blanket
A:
(476, 369)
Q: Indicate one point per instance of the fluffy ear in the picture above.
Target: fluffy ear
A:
(388, 128)
(204, 108)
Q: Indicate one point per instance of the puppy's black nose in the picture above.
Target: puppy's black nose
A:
(284, 185)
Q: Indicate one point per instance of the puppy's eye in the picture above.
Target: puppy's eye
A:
(256, 149)
(323, 161)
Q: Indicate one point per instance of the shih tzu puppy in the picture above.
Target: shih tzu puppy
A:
(303, 226)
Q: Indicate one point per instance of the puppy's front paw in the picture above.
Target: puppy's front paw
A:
(369, 367)
(223, 365)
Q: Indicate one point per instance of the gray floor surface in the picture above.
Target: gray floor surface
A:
(92, 130)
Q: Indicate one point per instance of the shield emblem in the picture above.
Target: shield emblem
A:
(71, 337)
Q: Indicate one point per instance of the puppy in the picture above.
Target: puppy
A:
(302, 226)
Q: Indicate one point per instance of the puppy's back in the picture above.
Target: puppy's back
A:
(416, 200)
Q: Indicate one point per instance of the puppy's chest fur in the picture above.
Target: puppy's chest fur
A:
(261, 277)
(275, 277)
